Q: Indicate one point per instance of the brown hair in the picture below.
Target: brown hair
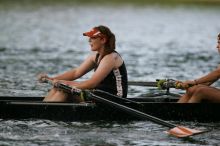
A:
(110, 38)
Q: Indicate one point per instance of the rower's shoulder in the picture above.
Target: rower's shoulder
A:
(115, 59)
(113, 56)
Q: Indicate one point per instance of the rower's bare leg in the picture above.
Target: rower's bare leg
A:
(183, 99)
(186, 97)
(57, 96)
(205, 93)
(51, 93)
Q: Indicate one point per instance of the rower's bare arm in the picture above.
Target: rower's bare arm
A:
(209, 78)
(76, 73)
(104, 68)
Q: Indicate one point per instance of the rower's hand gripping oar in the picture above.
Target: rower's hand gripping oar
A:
(178, 131)
(62, 86)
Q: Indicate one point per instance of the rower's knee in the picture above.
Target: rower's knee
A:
(201, 90)
(190, 91)
(58, 96)
(198, 94)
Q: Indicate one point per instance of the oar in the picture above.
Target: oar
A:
(178, 131)
(142, 83)
(164, 84)
(160, 83)
(117, 98)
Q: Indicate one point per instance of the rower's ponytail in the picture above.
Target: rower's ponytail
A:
(111, 42)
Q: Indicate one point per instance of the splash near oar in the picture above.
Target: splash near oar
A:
(178, 131)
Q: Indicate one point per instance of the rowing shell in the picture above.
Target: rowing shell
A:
(164, 107)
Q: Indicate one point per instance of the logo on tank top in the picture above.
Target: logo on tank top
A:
(118, 82)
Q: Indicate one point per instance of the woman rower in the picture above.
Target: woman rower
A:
(201, 89)
(110, 72)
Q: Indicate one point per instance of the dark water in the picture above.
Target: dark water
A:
(155, 42)
(44, 132)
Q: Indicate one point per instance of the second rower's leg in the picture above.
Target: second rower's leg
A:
(205, 93)
(186, 97)
(183, 99)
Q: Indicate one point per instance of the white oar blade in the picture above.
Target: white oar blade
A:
(181, 131)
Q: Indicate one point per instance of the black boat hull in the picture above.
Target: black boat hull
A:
(34, 108)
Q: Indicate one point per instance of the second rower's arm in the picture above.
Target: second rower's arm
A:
(209, 78)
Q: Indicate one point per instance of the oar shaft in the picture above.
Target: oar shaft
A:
(97, 91)
(162, 84)
(59, 85)
(136, 83)
(133, 111)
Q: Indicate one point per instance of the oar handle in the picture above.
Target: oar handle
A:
(62, 86)
(47, 80)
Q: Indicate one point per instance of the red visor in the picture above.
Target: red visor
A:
(92, 33)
